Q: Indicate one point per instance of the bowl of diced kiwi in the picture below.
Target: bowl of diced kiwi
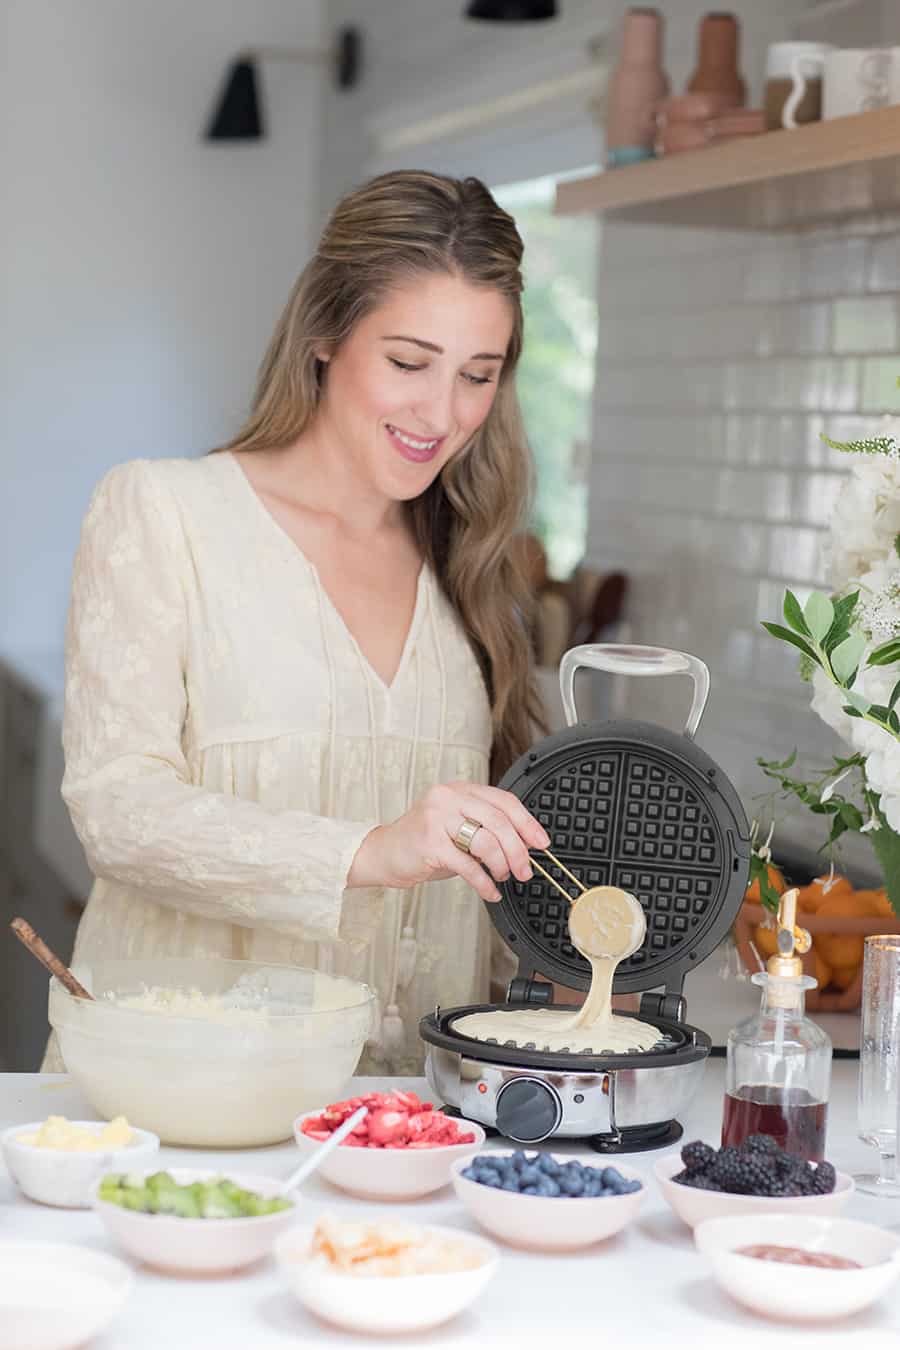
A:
(187, 1219)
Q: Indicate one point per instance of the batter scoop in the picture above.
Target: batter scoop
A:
(606, 925)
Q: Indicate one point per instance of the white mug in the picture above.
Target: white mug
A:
(797, 62)
(856, 80)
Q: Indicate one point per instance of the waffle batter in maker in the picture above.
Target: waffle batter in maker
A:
(606, 926)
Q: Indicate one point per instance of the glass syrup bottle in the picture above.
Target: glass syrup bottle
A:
(778, 1066)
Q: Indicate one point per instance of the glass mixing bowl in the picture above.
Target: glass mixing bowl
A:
(232, 1064)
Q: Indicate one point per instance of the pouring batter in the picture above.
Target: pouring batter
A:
(606, 925)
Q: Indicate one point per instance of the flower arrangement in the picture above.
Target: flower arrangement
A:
(849, 642)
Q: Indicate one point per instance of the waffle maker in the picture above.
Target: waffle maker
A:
(628, 804)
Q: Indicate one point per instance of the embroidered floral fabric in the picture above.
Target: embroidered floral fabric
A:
(228, 747)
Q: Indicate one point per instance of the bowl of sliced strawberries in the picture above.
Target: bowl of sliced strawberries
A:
(402, 1149)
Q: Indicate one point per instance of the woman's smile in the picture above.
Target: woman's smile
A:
(414, 448)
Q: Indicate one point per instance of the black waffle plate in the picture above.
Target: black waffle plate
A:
(632, 805)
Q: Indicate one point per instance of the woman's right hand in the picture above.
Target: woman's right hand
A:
(419, 845)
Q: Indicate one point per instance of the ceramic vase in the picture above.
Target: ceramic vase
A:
(636, 88)
(717, 70)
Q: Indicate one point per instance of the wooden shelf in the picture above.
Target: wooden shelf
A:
(780, 179)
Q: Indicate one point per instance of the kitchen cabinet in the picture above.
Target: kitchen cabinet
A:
(28, 884)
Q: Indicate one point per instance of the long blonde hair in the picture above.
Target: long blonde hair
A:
(385, 233)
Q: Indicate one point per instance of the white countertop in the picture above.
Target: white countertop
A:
(645, 1287)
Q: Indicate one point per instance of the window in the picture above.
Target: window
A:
(556, 372)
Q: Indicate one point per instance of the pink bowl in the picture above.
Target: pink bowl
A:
(695, 1206)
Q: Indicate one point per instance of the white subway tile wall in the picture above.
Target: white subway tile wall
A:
(723, 357)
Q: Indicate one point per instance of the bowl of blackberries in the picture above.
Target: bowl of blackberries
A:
(546, 1201)
(703, 1182)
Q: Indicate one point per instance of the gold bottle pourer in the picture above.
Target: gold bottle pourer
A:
(793, 942)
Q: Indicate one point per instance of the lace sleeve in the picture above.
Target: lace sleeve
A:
(127, 783)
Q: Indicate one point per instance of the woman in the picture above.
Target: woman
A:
(294, 664)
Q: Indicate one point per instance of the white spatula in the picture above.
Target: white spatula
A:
(309, 1166)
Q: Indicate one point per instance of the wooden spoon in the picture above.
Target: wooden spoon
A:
(29, 938)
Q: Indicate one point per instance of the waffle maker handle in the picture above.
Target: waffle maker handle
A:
(622, 659)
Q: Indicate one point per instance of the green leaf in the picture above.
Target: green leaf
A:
(818, 613)
(794, 614)
(850, 447)
(895, 694)
(776, 764)
(759, 872)
(838, 827)
(858, 703)
(885, 655)
(786, 635)
(843, 614)
(851, 712)
(856, 761)
(845, 657)
(851, 816)
(873, 445)
(887, 850)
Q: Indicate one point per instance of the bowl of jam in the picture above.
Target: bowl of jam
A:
(802, 1269)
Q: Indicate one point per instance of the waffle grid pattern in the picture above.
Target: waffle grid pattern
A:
(631, 819)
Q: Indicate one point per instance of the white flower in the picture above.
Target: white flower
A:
(866, 517)
(828, 790)
(879, 600)
(883, 769)
(828, 701)
(890, 806)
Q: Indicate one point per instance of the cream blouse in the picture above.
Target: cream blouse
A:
(228, 747)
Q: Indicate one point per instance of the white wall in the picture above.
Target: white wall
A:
(722, 359)
(424, 59)
(142, 270)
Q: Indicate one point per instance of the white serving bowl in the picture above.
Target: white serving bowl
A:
(383, 1305)
(204, 1082)
(198, 1246)
(543, 1223)
(695, 1206)
(67, 1178)
(389, 1173)
(800, 1293)
(55, 1295)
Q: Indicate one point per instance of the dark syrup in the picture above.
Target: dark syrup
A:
(789, 1115)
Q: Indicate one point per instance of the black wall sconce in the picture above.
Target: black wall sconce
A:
(239, 115)
(512, 11)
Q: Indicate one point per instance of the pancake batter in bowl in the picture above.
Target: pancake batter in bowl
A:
(606, 925)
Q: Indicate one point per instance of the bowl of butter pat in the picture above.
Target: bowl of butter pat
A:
(59, 1162)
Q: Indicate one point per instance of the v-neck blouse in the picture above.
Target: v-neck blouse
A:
(228, 747)
(294, 548)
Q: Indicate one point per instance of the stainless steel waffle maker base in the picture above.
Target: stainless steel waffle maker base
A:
(625, 804)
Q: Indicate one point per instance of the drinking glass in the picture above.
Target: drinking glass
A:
(879, 1061)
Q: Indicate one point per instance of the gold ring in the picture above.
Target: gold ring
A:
(466, 833)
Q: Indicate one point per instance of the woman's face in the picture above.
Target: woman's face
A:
(414, 381)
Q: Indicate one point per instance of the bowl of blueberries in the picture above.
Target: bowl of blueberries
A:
(546, 1201)
(703, 1182)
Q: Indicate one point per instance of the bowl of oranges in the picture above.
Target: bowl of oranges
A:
(839, 918)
